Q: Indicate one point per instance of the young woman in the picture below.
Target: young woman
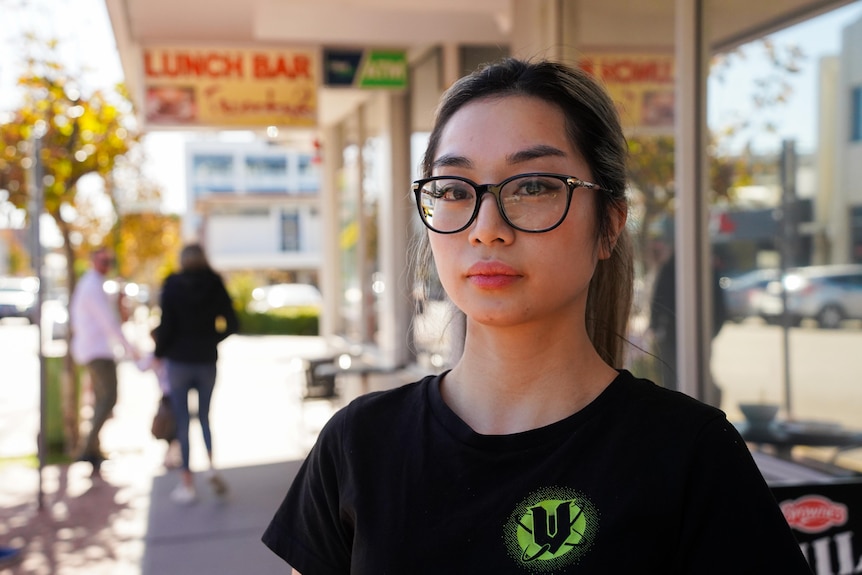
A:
(534, 454)
(197, 314)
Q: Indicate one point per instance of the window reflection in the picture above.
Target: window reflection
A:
(792, 206)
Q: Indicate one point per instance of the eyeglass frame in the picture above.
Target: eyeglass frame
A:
(571, 182)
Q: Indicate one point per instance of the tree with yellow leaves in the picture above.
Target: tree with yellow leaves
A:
(74, 136)
(80, 135)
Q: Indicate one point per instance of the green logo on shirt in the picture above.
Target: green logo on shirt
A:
(551, 529)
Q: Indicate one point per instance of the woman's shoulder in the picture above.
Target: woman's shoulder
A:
(651, 391)
(382, 410)
(200, 282)
(403, 397)
(171, 281)
(642, 399)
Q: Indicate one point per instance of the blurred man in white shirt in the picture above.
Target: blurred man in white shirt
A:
(96, 333)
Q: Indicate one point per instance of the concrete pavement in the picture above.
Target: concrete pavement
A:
(126, 523)
(217, 535)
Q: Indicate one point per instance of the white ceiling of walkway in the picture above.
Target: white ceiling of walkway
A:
(420, 22)
(416, 24)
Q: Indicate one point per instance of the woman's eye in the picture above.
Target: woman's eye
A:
(533, 188)
(453, 192)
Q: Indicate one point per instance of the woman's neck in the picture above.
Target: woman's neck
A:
(513, 380)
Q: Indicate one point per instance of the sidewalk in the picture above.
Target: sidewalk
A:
(126, 524)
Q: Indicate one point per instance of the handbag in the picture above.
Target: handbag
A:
(164, 422)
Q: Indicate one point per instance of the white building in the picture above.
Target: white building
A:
(255, 206)
(839, 201)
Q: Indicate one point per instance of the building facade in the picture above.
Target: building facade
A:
(255, 207)
(838, 203)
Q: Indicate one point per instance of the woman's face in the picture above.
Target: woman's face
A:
(495, 274)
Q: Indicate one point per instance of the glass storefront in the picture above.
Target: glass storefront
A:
(783, 171)
(785, 199)
(358, 201)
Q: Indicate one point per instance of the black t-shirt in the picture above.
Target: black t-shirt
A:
(642, 480)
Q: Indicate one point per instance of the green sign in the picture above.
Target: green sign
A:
(383, 69)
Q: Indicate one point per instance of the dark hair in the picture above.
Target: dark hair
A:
(594, 129)
(101, 251)
(193, 258)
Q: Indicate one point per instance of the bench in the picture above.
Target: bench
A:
(783, 436)
(321, 374)
(320, 378)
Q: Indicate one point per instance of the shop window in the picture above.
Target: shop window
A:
(212, 165)
(307, 173)
(266, 165)
(856, 234)
(787, 232)
(211, 188)
(266, 173)
(305, 165)
(289, 232)
(212, 174)
(856, 114)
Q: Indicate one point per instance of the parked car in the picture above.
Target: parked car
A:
(742, 293)
(277, 296)
(826, 294)
(19, 297)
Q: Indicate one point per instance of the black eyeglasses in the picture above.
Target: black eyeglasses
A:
(534, 202)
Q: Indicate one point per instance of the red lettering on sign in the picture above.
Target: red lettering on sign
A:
(630, 71)
(814, 513)
(192, 65)
(281, 66)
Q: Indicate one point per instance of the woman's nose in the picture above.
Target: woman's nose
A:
(490, 225)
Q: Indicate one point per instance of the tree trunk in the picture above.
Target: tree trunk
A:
(70, 390)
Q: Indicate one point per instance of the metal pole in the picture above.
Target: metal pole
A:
(691, 231)
(788, 227)
(36, 203)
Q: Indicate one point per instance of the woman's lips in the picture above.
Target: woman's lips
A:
(490, 275)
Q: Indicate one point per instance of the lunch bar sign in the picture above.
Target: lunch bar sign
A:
(827, 522)
(228, 87)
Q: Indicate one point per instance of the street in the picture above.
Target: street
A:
(260, 375)
(263, 375)
(748, 365)
(259, 421)
(19, 388)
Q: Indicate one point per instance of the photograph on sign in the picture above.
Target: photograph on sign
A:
(171, 105)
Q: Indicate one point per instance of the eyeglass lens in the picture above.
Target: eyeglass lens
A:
(530, 203)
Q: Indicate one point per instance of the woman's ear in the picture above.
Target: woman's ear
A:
(617, 216)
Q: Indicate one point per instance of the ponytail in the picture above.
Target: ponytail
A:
(609, 301)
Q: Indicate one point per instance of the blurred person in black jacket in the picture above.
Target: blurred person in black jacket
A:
(197, 314)
(663, 325)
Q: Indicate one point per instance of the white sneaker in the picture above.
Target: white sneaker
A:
(183, 493)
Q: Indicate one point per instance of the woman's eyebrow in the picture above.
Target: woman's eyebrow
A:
(452, 161)
(525, 155)
(540, 151)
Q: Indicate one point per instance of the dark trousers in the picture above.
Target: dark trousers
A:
(103, 377)
(185, 377)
